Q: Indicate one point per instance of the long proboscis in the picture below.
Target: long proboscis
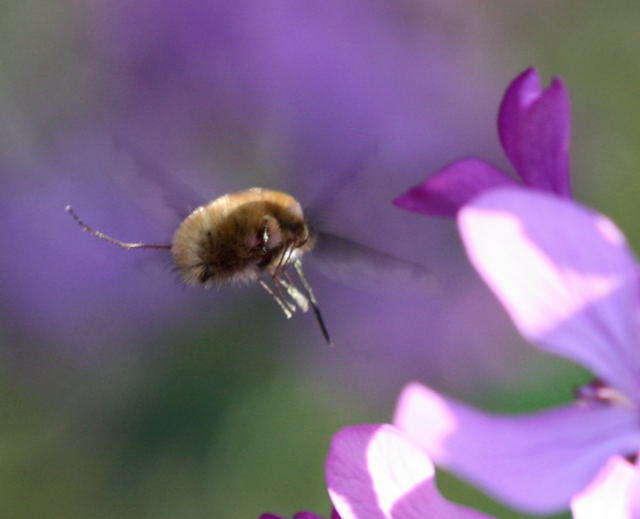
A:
(107, 238)
(312, 300)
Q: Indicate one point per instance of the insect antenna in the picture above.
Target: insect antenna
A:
(109, 239)
(312, 300)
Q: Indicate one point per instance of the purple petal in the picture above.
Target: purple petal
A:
(533, 462)
(565, 275)
(375, 472)
(445, 192)
(614, 493)
(535, 127)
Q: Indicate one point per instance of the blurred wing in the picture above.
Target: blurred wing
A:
(352, 176)
(357, 265)
(176, 194)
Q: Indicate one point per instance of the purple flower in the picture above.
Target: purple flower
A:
(534, 127)
(328, 78)
(377, 472)
(570, 283)
(614, 493)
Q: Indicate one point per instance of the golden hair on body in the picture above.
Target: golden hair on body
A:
(240, 237)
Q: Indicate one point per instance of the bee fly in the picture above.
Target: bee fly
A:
(240, 237)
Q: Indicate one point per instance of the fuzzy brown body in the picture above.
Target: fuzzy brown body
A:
(240, 236)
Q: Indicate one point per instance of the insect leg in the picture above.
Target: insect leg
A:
(281, 261)
(298, 297)
(278, 295)
(277, 299)
(277, 281)
(312, 299)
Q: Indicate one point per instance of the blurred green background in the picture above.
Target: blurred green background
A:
(232, 417)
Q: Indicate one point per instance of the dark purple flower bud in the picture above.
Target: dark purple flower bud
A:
(534, 127)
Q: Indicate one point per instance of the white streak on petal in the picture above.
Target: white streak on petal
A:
(610, 494)
(565, 276)
(396, 466)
